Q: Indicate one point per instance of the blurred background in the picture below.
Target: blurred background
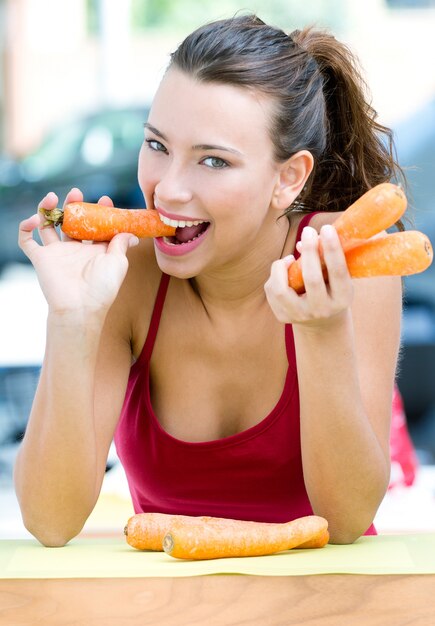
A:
(76, 81)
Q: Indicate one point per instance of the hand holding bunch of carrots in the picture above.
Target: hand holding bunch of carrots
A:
(368, 254)
(197, 538)
(358, 240)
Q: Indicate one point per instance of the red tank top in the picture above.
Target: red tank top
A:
(252, 475)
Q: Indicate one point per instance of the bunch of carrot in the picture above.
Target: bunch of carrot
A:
(186, 537)
(396, 254)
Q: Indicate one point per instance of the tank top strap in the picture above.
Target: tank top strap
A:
(304, 222)
(155, 318)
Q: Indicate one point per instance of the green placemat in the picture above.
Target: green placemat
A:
(113, 558)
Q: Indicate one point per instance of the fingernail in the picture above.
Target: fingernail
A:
(328, 231)
(309, 232)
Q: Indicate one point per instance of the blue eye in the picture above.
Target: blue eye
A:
(155, 145)
(215, 163)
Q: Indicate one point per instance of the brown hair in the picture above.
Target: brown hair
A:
(320, 102)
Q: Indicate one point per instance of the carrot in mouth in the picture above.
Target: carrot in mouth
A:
(86, 221)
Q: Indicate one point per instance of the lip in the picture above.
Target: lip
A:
(178, 217)
(179, 249)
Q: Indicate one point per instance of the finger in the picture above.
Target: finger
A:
(74, 195)
(106, 201)
(121, 243)
(25, 235)
(338, 275)
(279, 274)
(46, 229)
(279, 295)
(312, 273)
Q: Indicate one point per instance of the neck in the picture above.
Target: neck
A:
(241, 284)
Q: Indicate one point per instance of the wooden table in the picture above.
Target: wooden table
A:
(215, 600)
(323, 600)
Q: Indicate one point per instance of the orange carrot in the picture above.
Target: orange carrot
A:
(216, 538)
(96, 222)
(375, 211)
(145, 531)
(396, 254)
(318, 541)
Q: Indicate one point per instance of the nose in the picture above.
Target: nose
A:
(173, 186)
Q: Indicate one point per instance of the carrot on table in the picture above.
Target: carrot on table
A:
(318, 541)
(215, 538)
(396, 254)
(97, 222)
(145, 531)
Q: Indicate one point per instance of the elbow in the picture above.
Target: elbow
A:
(346, 532)
(50, 536)
(51, 539)
(344, 537)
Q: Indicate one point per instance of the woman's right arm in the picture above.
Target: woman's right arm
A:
(61, 462)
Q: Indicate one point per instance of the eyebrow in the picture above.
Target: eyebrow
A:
(201, 146)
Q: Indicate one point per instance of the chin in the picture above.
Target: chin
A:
(175, 268)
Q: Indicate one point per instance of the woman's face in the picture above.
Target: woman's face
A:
(208, 157)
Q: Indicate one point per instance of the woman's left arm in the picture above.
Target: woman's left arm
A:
(347, 338)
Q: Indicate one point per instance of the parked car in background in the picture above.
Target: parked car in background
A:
(415, 139)
(97, 153)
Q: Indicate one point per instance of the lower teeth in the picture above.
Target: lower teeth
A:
(179, 243)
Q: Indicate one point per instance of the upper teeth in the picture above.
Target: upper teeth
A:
(179, 223)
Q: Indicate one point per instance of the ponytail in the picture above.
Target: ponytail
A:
(359, 152)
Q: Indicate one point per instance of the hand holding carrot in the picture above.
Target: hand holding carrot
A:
(356, 246)
(397, 254)
(322, 303)
(75, 277)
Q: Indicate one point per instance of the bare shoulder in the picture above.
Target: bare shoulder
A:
(328, 217)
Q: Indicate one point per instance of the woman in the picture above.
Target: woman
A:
(250, 401)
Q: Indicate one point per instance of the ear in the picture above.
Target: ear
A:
(292, 177)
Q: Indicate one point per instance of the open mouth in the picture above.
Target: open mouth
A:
(187, 234)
